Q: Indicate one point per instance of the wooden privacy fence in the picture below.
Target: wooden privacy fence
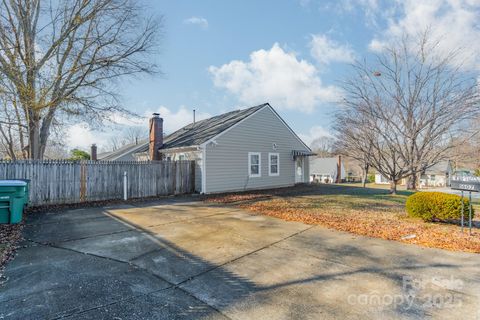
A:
(58, 181)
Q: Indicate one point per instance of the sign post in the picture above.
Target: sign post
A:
(470, 215)
(462, 211)
(470, 184)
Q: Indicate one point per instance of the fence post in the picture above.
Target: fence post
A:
(60, 181)
(83, 182)
(125, 185)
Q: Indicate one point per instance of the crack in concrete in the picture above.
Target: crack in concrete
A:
(171, 284)
(245, 255)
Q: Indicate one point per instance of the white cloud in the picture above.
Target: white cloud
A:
(82, 135)
(314, 133)
(326, 50)
(174, 120)
(202, 22)
(369, 8)
(453, 22)
(275, 76)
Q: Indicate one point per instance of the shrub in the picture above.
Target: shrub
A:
(436, 206)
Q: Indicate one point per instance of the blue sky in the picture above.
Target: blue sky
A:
(223, 55)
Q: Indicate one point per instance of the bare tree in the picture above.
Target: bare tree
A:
(13, 131)
(134, 134)
(323, 146)
(60, 59)
(351, 144)
(114, 143)
(405, 110)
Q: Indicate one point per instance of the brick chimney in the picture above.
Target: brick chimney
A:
(93, 152)
(339, 169)
(156, 136)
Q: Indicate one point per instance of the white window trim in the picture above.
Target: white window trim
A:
(270, 154)
(250, 154)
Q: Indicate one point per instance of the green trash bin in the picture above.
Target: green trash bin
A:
(27, 191)
(12, 200)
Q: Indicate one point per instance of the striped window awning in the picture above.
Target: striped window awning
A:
(303, 153)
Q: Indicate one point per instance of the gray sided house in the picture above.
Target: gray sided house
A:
(437, 175)
(245, 149)
(327, 170)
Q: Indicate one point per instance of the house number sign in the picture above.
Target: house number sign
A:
(469, 184)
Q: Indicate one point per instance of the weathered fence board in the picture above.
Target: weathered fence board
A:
(57, 181)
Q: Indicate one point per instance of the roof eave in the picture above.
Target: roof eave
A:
(180, 149)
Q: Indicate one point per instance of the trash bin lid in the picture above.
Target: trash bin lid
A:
(12, 183)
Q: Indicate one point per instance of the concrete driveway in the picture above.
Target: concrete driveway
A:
(186, 259)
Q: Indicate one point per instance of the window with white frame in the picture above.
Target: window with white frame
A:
(254, 164)
(181, 157)
(273, 164)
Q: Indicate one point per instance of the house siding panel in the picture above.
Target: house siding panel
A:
(227, 160)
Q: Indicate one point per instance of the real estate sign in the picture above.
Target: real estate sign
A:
(465, 183)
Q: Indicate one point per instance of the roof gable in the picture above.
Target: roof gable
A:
(204, 130)
(198, 133)
(124, 150)
(276, 115)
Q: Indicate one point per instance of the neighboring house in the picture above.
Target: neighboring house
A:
(435, 176)
(246, 149)
(380, 179)
(125, 153)
(326, 170)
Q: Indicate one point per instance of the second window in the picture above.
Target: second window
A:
(273, 164)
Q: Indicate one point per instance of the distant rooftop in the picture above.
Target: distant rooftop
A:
(323, 165)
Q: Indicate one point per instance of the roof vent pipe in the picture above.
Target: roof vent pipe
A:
(193, 116)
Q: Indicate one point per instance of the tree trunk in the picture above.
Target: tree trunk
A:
(365, 175)
(393, 186)
(412, 182)
(34, 137)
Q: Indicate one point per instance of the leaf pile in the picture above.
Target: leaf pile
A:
(245, 196)
(380, 217)
(10, 236)
(231, 198)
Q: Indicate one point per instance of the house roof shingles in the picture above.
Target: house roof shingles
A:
(323, 165)
(192, 134)
(202, 131)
